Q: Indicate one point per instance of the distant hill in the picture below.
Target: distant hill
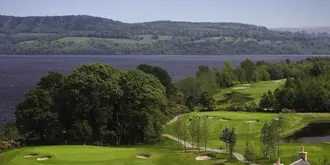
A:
(82, 34)
(306, 29)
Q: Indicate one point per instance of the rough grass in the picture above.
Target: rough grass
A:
(251, 132)
(163, 153)
(254, 91)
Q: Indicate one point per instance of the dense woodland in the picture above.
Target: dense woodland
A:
(94, 104)
(93, 35)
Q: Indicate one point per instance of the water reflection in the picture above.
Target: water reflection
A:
(312, 133)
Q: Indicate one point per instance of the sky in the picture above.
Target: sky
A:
(269, 13)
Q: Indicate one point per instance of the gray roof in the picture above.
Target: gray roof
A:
(300, 162)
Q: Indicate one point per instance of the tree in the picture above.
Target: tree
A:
(178, 131)
(276, 71)
(198, 132)
(202, 69)
(268, 140)
(192, 130)
(95, 103)
(9, 132)
(268, 101)
(190, 87)
(207, 102)
(240, 74)
(191, 103)
(163, 77)
(249, 68)
(184, 135)
(82, 131)
(35, 117)
(208, 80)
(248, 152)
(228, 77)
(205, 130)
(232, 138)
(224, 137)
(52, 81)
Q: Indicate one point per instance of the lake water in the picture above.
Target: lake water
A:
(312, 133)
(18, 74)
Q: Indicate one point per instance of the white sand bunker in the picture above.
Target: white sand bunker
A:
(252, 121)
(278, 81)
(246, 84)
(240, 88)
(143, 156)
(203, 157)
(43, 158)
(30, 155)
(224, 119)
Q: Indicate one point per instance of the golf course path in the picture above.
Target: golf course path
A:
(238, 156)
(174, 119)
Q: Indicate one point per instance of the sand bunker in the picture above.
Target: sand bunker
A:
(278, 81)
(246, 84)
(252, 121)
(43, 158)
(143, 156)
(240, 87)
(203, 157)
(30, 155)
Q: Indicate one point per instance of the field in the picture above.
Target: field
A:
(251, 132)
(144, 39)
(163, 153)
(246, 92)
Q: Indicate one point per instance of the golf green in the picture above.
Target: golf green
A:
(93, 155)
(250, 131)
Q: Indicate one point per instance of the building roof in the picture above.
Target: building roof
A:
(300, 162)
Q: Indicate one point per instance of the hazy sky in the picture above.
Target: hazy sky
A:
(270, 13)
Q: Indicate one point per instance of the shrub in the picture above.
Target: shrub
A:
(5, 145)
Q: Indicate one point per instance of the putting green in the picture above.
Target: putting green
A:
(92, 155)
(251, 132)
(253, 91)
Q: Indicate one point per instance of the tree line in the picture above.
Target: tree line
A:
(95, 104)
(305, 93)
(36, 35)
(99, 104)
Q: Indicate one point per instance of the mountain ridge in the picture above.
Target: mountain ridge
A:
(83, 34)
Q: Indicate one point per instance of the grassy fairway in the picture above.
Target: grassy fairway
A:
(251, 132)
(253, 91)
(163, 153)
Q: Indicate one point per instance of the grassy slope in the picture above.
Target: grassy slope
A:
(146, 39)
(255, 90)
(251, 132)
(163, 153)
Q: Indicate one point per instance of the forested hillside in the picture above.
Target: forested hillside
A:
(94, 35)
